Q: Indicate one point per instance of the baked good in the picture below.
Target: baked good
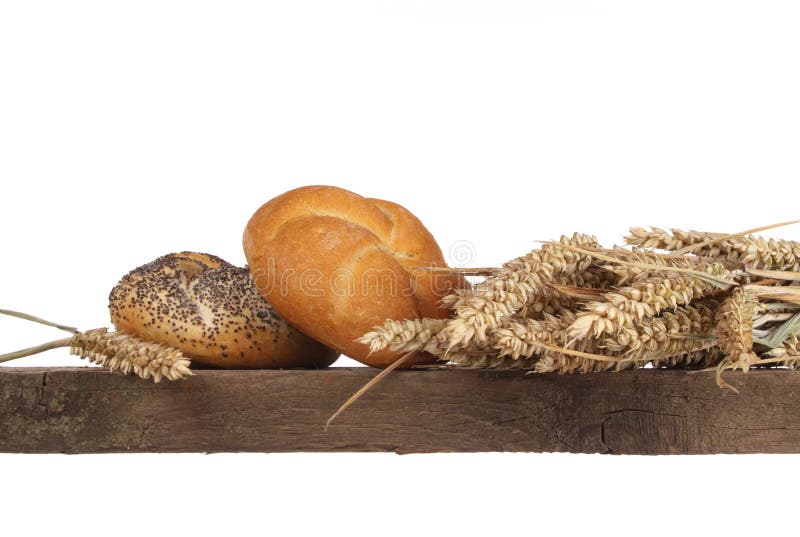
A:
(335, 265)
(211, 311)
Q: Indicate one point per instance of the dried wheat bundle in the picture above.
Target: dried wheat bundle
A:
(729, 301)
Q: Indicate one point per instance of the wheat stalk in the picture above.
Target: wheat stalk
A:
(114, 350)
(405, 336)
(628, 273)
(661, 239)
(760, 252)
(118, 351)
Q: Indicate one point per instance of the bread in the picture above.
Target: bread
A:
(211, 311)
(336, 264)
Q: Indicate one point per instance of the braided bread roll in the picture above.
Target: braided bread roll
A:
(211, 311)
(336, 264)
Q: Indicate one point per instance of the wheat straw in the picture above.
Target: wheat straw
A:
(567, 365)
(697, 359)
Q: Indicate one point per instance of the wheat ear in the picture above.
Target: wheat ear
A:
(734, 329)
(757, 251)
(628, 273)
(405, 336)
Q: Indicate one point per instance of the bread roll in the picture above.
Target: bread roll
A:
(336, 264)
(210, 310)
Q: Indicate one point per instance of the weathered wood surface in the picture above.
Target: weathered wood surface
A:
(89, 410)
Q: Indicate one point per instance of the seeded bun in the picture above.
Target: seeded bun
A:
(210, 310)
(336, 264)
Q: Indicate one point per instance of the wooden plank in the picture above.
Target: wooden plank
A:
(89, 410)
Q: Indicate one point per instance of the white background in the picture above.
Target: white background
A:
(132, 129)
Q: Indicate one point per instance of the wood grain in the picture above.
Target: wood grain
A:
(89, 410)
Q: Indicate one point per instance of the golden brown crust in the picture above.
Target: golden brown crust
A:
(336, 264)
(211, 311)
(415, 249)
